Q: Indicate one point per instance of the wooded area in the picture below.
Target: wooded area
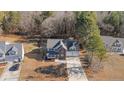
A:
(83, 26)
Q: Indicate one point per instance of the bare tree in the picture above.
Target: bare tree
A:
(60, 27)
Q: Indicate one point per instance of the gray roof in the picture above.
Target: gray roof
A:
(65, 43)
(2, 46)
(18, 48)
(2, 51)
(7, 47)
(51, 42)
(109, 40)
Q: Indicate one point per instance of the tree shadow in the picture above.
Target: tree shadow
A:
(121, 54)
(57, 71)
(34, 54)
(28, 41)
(22, 41)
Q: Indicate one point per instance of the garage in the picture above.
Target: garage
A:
(72, 53)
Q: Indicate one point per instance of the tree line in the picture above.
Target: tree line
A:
(114, 21)
(82, 26)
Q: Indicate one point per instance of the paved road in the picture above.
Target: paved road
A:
(10, 75)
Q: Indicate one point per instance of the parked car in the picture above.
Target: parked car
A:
(14, 67)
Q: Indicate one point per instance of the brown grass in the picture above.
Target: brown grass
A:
(2, 66)
(28, 71)
(111, 69)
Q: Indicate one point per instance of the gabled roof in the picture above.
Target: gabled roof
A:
(13, 48)
(6, 47)
(18, 48)
(63, 45)
(2, 46)
(57, 43)
(69, 43)
(60, 44)
(109, 40)
(2, 51)
(52, 42)
(117, 42)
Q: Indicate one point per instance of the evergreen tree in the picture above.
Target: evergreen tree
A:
(85, 24)
(2, 14)
(116, 20)
(89, 34)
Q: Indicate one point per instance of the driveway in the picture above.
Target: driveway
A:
(8, 74)
(74, 68)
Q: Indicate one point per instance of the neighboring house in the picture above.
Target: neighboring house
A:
(115, 45)
(14, 52)
(2, 51)
(11, 52)
(61, 48)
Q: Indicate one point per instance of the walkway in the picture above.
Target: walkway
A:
(10, 75)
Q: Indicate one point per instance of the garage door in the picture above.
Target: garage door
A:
(72, 53)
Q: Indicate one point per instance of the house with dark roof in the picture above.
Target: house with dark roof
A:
(114, 45)
(10, 52)
(117, 46)
(14, 52)
(61, 48)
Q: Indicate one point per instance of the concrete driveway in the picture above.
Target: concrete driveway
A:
(10, 75)
(74, 68)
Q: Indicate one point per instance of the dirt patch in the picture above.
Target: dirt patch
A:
(11, 38)
(2, 66)
(56, 71)
(1, 70)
